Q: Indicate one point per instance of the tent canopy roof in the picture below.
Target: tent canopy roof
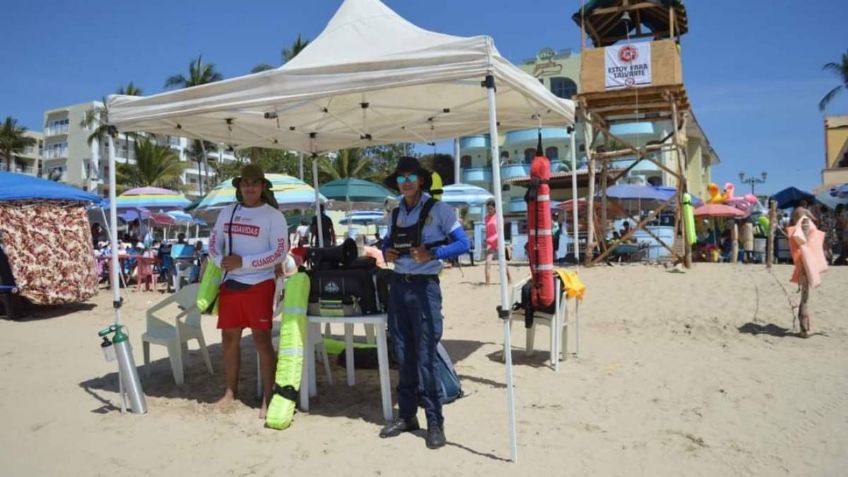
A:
(371, 77)
(15, 186)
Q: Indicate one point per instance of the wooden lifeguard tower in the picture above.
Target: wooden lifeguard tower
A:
(633, 73)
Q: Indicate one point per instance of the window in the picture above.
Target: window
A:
(563, 87)
(529, 154)
(465, 162)
(552, 153)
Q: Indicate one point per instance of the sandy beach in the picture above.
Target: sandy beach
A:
(672, 379)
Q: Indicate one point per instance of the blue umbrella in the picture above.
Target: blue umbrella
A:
(15, 186)
(791, 197)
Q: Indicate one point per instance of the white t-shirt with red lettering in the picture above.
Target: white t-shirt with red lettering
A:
(260, 237)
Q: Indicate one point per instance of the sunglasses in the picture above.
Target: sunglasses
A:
(409, 178)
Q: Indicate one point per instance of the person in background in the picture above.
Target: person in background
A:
(249, 240)
(327, 229)
(96, 232)
(802, 210)
(492, 241)
(302, 233)
(417, 245)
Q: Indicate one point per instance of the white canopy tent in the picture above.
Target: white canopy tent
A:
(370, 78)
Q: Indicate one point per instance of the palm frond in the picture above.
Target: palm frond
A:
(829, 97)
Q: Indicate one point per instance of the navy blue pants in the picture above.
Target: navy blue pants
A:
(415, 323)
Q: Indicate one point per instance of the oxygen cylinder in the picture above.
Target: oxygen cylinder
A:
(126, 366)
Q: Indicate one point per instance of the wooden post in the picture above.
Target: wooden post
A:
(772, 227)
(734, 236)
(602, 234)
(590, 200)
(682, 185)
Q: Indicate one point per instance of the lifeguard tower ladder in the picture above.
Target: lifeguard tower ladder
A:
(633, 74)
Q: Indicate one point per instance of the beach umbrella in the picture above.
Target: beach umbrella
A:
(840, 191)
(791, 197)
(290, 192)
(363, 217)
(742, 204)
(162, 219)
(153, 198)
(719, 210)
(465, 195)
(831, 199)
(355, 190)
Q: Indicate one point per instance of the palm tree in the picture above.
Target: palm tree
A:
(12, 139)
(97, 117)
(199, 73)
(155, 165)
(348, 163)
(286, 54)
(841, 70)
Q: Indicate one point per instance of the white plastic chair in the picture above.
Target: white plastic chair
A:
(175, 336)
(557, 322)
(182, 269)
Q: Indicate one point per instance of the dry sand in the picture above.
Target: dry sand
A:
(669, 381)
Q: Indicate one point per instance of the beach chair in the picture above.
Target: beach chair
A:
(186, 326)
(183, 263)
(146, 272)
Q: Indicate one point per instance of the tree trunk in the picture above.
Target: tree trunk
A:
(205, 165)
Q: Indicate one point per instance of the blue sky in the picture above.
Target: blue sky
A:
(753, 69)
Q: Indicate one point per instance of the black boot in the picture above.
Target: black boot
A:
(398, 426)
(435, 437)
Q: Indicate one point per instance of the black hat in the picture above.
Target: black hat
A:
(407, 165)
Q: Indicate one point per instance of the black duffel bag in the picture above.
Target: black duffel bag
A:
(344, 291)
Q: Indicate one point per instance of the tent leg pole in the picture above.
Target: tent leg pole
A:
(504, 305)
(456, 172)
(113, 237)
(317, 194)
(574, 213)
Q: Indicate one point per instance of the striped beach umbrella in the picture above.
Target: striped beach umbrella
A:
(290, 192)
(151, 198)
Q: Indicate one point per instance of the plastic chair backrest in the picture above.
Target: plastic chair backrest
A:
(182, 250)
(145, 266)
(186, 298)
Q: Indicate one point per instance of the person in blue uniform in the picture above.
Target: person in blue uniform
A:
(422, 232)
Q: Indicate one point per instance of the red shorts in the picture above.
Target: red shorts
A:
(250, 308)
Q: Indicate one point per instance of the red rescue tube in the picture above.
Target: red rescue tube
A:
(540, 243)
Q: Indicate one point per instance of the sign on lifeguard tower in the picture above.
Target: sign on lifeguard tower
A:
(627, 66)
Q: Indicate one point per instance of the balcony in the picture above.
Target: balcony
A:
(517, 206)
(477, 174)
(474, 142)
(508, 171)
(531, 136)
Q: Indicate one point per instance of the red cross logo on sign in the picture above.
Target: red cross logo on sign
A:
(628, 54)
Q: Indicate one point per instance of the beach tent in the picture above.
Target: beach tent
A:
(791, 197)
(45, 236)
(370, 78)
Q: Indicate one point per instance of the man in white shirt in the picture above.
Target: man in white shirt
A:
(248, 241)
